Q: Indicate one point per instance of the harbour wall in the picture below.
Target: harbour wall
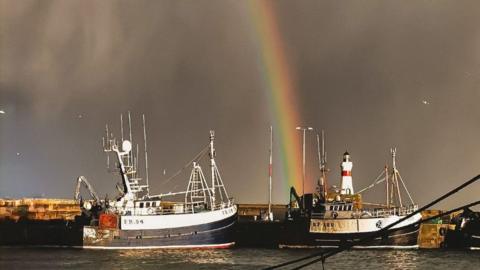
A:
(254, 228)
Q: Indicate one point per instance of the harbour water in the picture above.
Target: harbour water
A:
(56, 258)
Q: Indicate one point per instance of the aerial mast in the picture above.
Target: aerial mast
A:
(121, 125)
(212, 165)
(323, 165)
(386, 184)
(130, 158)
(146, 155)
(395, 175)
(319, 160)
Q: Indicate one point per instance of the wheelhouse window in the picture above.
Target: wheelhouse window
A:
(148, 204)
(141, 205)
(154, 204)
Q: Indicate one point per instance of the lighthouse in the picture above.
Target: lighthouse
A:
(346, 166)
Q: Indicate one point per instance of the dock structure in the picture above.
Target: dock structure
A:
(260, 225)
(38, 209)
(432, 234)
(254, 226)
(259, 212)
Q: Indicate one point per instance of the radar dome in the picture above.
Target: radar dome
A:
(87, 205)
(126, 146)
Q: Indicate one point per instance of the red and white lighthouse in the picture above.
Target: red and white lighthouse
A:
(346, 166)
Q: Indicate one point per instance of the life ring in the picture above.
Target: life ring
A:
(442, 231)
(334, 214)
(150, 211)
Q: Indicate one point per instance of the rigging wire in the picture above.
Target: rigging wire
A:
(324, 255)
(377, 180)
(405, 187)
(200, 155)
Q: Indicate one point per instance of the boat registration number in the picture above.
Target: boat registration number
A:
(332, 226)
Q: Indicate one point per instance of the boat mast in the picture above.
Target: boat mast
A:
(124, 151)
(395, 175)
(270, 172)
(323, 165)
(319, 164)
(127, 158)
(130, 157)
(121, 126)
(146, 155)
(212, 166)
(386, 184)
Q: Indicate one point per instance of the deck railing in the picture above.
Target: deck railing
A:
(180, 208)
(395, 211)
(369, 213)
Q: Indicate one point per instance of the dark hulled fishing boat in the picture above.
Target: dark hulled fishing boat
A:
(203, 217)
(466, 231)
(333, 217)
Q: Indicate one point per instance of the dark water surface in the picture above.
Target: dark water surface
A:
(55, 258)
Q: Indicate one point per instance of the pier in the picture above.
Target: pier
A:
(253, 227)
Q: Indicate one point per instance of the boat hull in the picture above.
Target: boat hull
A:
(457, 239)
(299, 235)
(466, 232)
(216, 234)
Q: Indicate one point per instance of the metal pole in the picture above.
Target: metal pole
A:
(318, 154)
(304, 129)
(121, 125)
(270, 172)
(324, 165)
(146, 154)
(130, 157)
(386, 184)
(303, 169)
(212, 166)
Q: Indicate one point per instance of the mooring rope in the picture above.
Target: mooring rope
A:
(322, 259)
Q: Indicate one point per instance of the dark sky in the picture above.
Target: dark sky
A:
(373, 74)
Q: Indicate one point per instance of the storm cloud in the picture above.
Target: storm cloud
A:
(373, 74)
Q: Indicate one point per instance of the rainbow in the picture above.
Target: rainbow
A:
(280, 90)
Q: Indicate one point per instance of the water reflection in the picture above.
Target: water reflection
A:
(235, 259)
(400, 259)
(180, 256)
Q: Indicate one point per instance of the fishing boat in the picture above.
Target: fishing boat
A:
(465, 233)
(334, 217)
(202, 216)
